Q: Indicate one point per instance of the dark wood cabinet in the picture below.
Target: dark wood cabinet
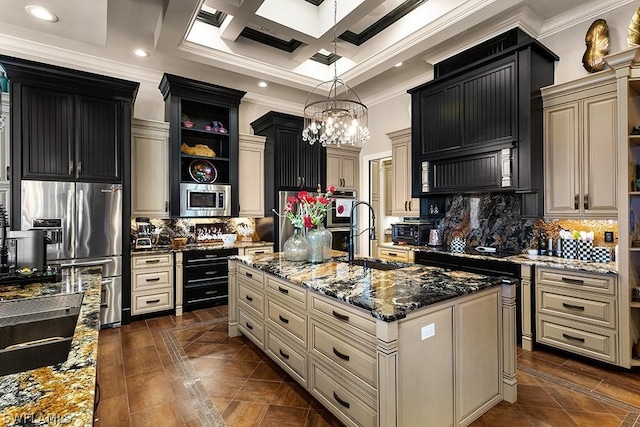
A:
(478, 126)
(204, 126)
(290, 163)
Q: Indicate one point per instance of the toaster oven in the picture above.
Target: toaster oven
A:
(411, 233)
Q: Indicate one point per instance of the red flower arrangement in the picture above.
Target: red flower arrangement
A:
(306, 210)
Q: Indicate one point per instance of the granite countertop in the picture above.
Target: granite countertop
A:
(61, 394)
(388, 295)
(537, 260)
(197, 247)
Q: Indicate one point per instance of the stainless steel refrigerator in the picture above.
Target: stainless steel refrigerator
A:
(83, 224)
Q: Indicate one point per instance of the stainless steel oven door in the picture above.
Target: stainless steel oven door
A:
(340, 239)
(205, 200)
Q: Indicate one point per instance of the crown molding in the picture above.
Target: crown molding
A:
(274, 103)
(70, 59)
(397, 90)
(579, 14)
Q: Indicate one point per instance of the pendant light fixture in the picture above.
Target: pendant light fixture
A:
(340, 118)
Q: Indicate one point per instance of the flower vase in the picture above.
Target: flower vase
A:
(328, 242)
(296, 247)
(315, 242)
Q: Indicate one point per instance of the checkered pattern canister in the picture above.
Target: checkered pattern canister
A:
(584, 250)
(569, 248)
(601, 254)
(457, 245)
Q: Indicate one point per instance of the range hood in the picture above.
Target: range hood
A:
(478, 126)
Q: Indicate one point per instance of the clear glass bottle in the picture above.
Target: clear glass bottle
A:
(328, 242)
(315, 242)
(296, 247)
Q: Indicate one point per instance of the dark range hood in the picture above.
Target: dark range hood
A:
(478, 126)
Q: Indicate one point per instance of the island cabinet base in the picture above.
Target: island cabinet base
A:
(442, 365)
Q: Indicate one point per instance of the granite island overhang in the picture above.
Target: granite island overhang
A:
(415, 345)
(64, 393)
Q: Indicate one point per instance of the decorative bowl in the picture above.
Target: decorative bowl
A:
(228, 239)
(203, 171)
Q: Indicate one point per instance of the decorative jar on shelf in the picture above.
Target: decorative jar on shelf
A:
(315, 241)
(296, 247)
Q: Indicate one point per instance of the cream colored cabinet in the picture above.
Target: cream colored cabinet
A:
(149, 168)
(388, 187)
(580, 149)
(343, 167)
(5, 146)
(402, 204)
(251, 175)
(395, 253)
(577, 312)
(152, 287)
(256, 250)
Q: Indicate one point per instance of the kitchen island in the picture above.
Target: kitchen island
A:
(395, 345)
(61, 394)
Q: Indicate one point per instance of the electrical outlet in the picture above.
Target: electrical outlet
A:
(608, 236)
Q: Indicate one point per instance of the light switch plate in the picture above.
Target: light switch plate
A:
(428, 331)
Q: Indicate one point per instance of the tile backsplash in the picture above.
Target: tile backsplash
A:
(196, 229)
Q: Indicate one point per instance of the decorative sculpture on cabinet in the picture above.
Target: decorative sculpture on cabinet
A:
(597, 41)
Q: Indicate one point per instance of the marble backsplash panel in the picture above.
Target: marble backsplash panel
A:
(493, 219)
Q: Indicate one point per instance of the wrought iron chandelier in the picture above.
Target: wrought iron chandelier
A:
(340, 118)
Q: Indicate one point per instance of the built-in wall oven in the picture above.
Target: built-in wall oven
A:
(338, 219)
(205, 200)
(205, 277)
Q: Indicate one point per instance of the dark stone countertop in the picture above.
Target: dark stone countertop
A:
(61, 394)
(388, 295)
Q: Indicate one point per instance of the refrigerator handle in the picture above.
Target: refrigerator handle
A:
(69, 226)
(80, 209)
(107, 293)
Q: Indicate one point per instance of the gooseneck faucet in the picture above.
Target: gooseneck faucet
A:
(352, 228)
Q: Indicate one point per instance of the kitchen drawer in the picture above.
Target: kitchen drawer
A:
(590, 341)
(254, 299)
(258, 250)
(602, 283)
(251, 275)
(152, 261)
(350, 320)
(353, 357)
(144, 279)
(338, 395)
(151, 302)
(251, 327)
(290, 322)
(593, 308)
(204, 292)
(292, 359)
(404, 255)
(293, 294)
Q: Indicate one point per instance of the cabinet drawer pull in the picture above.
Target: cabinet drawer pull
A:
(211, 292)
(283, 290)
(249, 325)
(153, 301)
(340, 401)
(392, 254)
(210, 273)
(586, 202)
(283, 354)
(282, 319)
(574, 281)
(409, 205)
(339, 316)
(340, 355)
(152, 261)
(155, 279)
(405, 205)
(249, 275)
(258, 252)
(248, 298)
(569, 337)
(572, 307)
(576, 200)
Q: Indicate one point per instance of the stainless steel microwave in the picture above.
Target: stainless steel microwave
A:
(205, 199)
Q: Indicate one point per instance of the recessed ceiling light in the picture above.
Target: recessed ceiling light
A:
(141, 53)
(263, 84)
(399, 64)
(41, 13)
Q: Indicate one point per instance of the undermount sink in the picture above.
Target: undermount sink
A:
(378, 265)
(36, 332)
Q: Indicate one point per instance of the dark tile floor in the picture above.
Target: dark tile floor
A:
(186, 371)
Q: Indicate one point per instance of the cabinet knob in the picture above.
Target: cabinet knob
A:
(166, 206)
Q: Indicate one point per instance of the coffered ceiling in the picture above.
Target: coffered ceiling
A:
(288, 43)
